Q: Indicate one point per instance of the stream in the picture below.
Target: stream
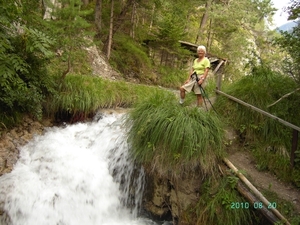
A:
(78, 174)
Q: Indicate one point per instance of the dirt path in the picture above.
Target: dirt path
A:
(265, 180)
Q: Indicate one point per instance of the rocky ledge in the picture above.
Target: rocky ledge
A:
(11, 141)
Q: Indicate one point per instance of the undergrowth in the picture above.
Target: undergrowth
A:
(271, 139)
(217, 204)
(286, 208)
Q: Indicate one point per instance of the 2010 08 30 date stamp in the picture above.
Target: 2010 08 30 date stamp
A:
(255, 205)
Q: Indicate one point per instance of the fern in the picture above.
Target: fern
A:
(23, 78)
(39, 42)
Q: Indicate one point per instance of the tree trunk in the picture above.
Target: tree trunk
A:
(111, 25)
(133, 20)
(85, 2)
(152, 18)
(118, 22)
(203, 21)
(98, 17)
(209, 36)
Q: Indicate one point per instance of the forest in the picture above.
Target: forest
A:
(46, 71)
(42, 43)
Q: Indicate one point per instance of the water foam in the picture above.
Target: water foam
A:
(65, 177)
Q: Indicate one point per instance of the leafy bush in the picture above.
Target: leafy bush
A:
(24, 81)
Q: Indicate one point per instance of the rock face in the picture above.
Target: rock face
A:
(11, 140)
(168, 198)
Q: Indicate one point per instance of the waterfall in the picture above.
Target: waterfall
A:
(75, 175)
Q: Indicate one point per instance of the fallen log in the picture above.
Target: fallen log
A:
(255, 192)
(253, 199)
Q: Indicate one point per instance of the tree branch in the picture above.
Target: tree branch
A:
(285, 96)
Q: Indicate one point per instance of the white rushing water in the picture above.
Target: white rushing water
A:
(64, 177)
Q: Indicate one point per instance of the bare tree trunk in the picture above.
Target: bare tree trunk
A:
(203, 21)
(111, 25)
(98, 17)
(209, 37)
(133, 20)
(152, 18)
(117, 23)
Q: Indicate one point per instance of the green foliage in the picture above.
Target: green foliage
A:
(275, 160)
(172, 137)
(170, 27)
(290, 41)
(294, 9)
(24, 81)
(131, 58)
(287, 208)
(79, 94)
(71, 31)
(238, 30)
(81, 64)
(172, 78)
(261, 89)
(221, 204)
(271, 139)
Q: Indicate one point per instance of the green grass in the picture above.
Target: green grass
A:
(284, 207)
(269, 140)
(175, 141)
(217, 203)
(172, 137)
(87, 94)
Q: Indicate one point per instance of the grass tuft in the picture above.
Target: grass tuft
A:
(79, 94)
(176, 138)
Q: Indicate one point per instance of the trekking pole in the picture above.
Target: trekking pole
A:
(204, 95)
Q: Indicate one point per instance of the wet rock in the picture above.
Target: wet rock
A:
(167, 198)
(11, 140)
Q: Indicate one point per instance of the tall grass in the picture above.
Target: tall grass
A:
(171, 137)
(87, 94)
(270, 139)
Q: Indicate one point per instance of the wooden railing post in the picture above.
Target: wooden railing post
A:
(219, 77)
(294, 147)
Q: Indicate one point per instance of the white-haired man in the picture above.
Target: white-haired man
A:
(199, 71)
